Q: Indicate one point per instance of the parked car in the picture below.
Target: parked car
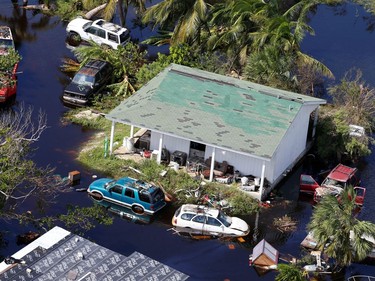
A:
(340, 176)
(338, 179)
(360, 193)
(6, 40)
(106, 34)
(204, 220)
(127, 192)
(88, 83)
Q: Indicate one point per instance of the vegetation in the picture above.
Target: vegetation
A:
(72, 8)
(348, 244)
(20, 178)
(112, 166)
(289, 272)
(125, 61)
(7, 63)
(353, 104)
(255, 40)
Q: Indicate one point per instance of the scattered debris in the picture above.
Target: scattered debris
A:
(285, 223)
(26, 238)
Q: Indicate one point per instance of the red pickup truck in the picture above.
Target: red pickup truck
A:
(337, 180)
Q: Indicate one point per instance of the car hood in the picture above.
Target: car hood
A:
(78, 22)
(82, 90)
(99, 184)
(240, 225)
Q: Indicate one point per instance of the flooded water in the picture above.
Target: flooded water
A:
(341, 41)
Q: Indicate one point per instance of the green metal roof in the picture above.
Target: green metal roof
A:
(213, 109)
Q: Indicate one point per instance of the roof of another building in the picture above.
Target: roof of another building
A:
(213, 109)
(61, 255)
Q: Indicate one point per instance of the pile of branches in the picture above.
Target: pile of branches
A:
(285, 223)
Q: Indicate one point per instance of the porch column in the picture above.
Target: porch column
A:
(111, 138)
(315, 122)
(212, 165)
(160, 148)
(131, 131)
(262, 180)
(256, 230)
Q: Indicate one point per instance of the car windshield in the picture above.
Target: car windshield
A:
(226, 220)
(109, 184)
(124, 37)
(83, 79)
(6, 43)
(87, 25)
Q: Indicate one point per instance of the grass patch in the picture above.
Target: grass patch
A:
(93, 156)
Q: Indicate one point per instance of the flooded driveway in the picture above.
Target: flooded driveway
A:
(41, 42)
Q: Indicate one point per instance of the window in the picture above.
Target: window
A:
(129, 193)
(199, 219)
(124, 36)
(98, 77)
(96, 31)
(112, 37)
(117, 189)
(213, 221)
(226, 220)
(83, 79)
(101, 33)
(144, 196)
(187, 216)
(305, 179)
(91, 30)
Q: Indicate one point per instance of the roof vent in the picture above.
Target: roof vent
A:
(290, 107)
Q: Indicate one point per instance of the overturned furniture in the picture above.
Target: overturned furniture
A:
(264, 256)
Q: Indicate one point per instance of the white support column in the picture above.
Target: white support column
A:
(111, 139)
(262, 180)
(256, 230)
(131, 131)
(212, 165)
(160, 148)
(316, 114)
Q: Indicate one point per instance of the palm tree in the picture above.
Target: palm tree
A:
(126, 61)
(338, 232)
(251, 25)
(187, 18)
(290, 272)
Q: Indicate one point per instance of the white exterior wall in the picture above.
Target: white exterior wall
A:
(290, 148)
(169, 142)
(246, 165)
(293, 143)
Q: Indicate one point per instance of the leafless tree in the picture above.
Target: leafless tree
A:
(20, 177)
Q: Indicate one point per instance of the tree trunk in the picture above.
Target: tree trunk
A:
(94, 11)
(121, 13)
(42, 7)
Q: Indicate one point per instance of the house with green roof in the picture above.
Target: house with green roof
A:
(259, 130)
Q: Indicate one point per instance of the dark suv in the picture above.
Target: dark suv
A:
(88, 82)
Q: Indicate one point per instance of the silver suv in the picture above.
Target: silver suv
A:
(106, 34)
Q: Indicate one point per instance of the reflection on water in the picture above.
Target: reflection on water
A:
(124, 213)
(341, 42)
